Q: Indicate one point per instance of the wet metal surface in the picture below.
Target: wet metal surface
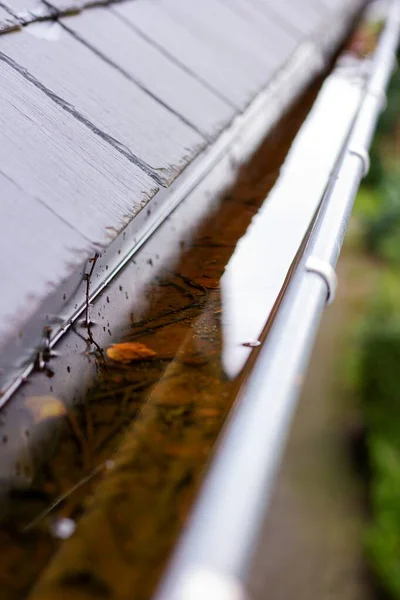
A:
(126, 460)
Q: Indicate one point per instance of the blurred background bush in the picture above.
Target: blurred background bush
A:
(376, 364)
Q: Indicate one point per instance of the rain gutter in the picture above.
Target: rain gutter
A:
(214, 555)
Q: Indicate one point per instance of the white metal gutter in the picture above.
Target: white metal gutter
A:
(212, 559)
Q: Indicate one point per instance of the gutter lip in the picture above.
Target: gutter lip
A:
(307, 61)
(222, 533)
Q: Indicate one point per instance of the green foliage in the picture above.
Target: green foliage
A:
(367, 203)
(380, 376)
(381, 222)
(379, 389)
(390, 115)
(376, 172)
(383, 537)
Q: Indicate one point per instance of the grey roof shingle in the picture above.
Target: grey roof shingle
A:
(58, 245)
(100, 95)
(60, 162)
(116, 41)
(227, 58)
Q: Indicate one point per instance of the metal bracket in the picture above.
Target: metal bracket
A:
(363, 154)
(326, 272)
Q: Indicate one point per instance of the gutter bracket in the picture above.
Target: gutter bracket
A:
(325, 270)
(364, 156)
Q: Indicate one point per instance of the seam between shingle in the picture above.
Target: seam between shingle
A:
(56, 14)
(54, 11)
(8, 10)
(27, 16)
(8, 24)
(121, 148)
(128, 76)
(172, 58)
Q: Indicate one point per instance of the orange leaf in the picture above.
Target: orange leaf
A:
(45, 407)
(129, 351)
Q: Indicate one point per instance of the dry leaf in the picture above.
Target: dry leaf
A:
(45, 407)
(129, 351)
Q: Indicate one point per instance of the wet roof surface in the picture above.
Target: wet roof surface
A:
(102, 104)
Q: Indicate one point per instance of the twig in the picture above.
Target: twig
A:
(134, 387)
(63, 497)
(87, 277)
(155, 327)
(193, 284)
(193, 304)
(87, 322)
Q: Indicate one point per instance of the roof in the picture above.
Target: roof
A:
(102, 107)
